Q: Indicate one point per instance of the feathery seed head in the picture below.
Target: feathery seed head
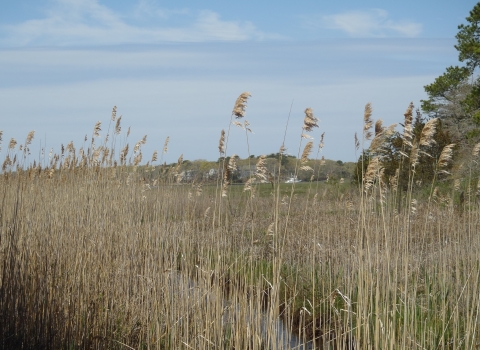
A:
(446, 155)
(456, 184)
(30, 137)
(155, 156)
(426, 138)
(357, 143)
(379, 127)
(114, 113)
(12, 143)
(165, 145)
(96, 129)
(241, 105)
(261, 169)
(306, 152)
(118, 128)
(367, 121)
(371, 173)
(414, 155)
(320, 145)
(232, 163)
(309, 122)
(221, 143)
(137, 159)
(475, 151)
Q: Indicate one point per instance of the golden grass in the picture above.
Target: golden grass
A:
(97, 253)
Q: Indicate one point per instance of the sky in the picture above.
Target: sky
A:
(175, 68)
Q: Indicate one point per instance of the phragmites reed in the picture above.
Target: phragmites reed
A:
(165, 145)
(70, 147)
(306, 152)
(371, 173)
(414, 155)
(232, 163)
(394, 180)
(426, 138)
(176, 171)
(96, 129)
(261, 170)
(241, 105)
(221, 143)
(367, 121)
(379, 128)
(321, 144)
(475, 151)
(357, 143)
(1, 135)
(128, 132)
(248, 184)
(227, 172)
(143, 140)
(30, 136)
(407, 126)
(118, 128)
(155, 156)
(123, 154)
(381, 136)
(114, 113)
(12, 143)
(446, 155)
(136, 148)
(309, 122)
(137, 159)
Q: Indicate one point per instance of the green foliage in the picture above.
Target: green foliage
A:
(392, 159)
(444, 90)
(454, 95)
(468, 38)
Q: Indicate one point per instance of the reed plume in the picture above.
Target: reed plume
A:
(30, 136)
(367, 121)
(379, 128)
(97, 129)
(165, 145)
(118, 128)
(309, 122)
(306, 152)
(475, 151)
(114, 113)
(12, 143)
(407, 126)
(221, 143)
(304, 159)
(155, 156)
(426, 138)
(446, 155)
(241, 105)
(371, 173)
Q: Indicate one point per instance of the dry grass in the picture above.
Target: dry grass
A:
(94, 253)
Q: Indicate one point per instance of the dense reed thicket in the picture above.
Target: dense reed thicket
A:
(97, 253)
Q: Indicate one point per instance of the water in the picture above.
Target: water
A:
(183, 287)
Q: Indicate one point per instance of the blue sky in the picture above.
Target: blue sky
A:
(175, 68)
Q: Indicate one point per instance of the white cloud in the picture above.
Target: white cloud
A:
(372, 23)
(87, 22)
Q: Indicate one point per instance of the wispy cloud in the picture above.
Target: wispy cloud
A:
(371, 23)
(87, 22)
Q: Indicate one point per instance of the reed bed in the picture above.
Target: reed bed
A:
(95, 252)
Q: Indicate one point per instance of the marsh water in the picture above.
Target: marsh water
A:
(190, 293)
